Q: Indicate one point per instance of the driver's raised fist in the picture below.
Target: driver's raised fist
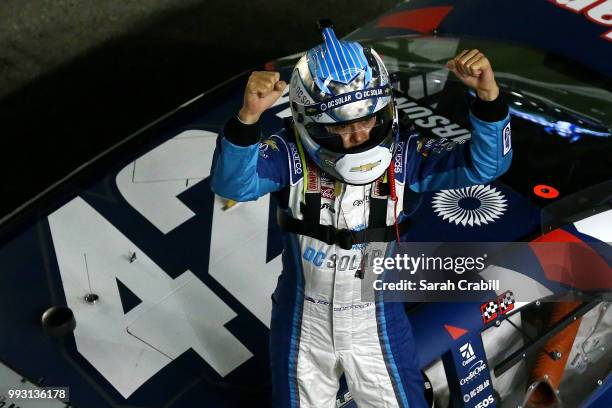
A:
(262, 90)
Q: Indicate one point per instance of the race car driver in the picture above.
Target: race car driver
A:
(344, 171)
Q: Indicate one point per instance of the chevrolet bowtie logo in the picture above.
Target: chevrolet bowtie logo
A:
(271, 144)
(365, 167)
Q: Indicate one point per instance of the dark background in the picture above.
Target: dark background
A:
(76, 77)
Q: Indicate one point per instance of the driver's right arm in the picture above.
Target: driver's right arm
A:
(245, 168)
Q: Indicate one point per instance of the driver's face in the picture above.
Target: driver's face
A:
(355, 133)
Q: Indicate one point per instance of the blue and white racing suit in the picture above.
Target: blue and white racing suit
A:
(320, 327)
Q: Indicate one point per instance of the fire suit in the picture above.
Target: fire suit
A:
(320, 328)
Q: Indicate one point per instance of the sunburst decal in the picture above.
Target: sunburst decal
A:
(475, 205)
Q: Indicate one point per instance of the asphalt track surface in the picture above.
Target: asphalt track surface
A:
(76, 77)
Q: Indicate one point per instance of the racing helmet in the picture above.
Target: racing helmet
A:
(342, 86)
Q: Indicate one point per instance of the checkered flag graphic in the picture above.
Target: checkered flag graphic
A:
(489, 311)
(506, 302)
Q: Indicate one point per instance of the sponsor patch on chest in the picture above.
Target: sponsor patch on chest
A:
(328, 187)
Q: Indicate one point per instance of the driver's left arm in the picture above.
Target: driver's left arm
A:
(436, 164)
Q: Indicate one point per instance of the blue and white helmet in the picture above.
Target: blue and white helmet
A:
(338, 83)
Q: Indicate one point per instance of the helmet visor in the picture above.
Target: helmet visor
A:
(367, 131)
